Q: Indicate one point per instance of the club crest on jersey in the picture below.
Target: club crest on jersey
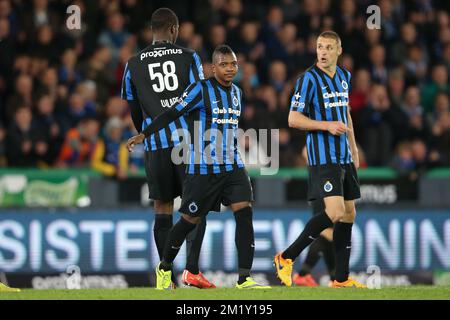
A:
(193, 208)
(328, 186)
(235, 101)
(344, 84)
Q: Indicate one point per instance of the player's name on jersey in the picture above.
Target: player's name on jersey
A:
(159, 52)
(226, 110)
(167, 103)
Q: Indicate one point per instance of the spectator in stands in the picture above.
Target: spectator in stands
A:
(23, 94)
(68, 73)
(441, 127)
(110, 156)
(97, 70)
(424, 159)
(78, 109)
(2, 146)
(441, 107)
(44, 46)
(439, 82)
(48, 83)
(79, 144)
(232, 16)
(376, 135)
(418, 126)
(277, 75)
(26, 145)
(399, 50)
(217, 36)
(360, 92)
(114, 36)
(51, 126)
(88, 91)
(378, 69)
(248, 79)
(415, 65)
(39, 14)
(403, 161)
(446, 57)
(248, 43)
(396, 86)
(186, 33)
(7, 49)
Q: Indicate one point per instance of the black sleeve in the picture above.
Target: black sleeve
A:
(136, 114)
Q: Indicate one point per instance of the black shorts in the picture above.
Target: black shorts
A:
(164, 178)
(204, 193)
(333, 180)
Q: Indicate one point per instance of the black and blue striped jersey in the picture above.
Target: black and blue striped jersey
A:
(153, 81)
(324, 98)
(215, 111)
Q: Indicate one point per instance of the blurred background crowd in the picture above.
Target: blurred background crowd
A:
(59, 88)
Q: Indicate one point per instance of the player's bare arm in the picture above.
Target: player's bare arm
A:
(301, 122)
(352, 140)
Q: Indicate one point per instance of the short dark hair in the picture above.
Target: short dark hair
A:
(221, 49)
(163, 19)
(332, 35)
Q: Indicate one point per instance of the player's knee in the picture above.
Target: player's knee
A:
(335, 214)
(349, 216)
(163, 207)
(240, 205)
(194, 220)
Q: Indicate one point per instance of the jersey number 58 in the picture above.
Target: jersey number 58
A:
(165, 80)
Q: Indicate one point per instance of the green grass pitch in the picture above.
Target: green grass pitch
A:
(276, 293)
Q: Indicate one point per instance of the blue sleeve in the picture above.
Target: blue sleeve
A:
(196, 69)
(191, 99)
(301, 99)
(127, 92)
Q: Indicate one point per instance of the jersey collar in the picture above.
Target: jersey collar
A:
(214, 80)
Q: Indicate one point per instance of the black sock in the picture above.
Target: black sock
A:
(312, 258)
(245, 241)
(312, 230)
(328, 257)
(342, 239)
(175, 239)
(194, 241)
(163, 224)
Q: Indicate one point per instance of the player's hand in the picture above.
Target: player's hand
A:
(135, 140)
(337, 128)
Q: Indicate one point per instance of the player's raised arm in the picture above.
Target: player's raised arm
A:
(189, 101)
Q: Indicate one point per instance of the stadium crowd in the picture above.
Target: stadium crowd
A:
(59, 88)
